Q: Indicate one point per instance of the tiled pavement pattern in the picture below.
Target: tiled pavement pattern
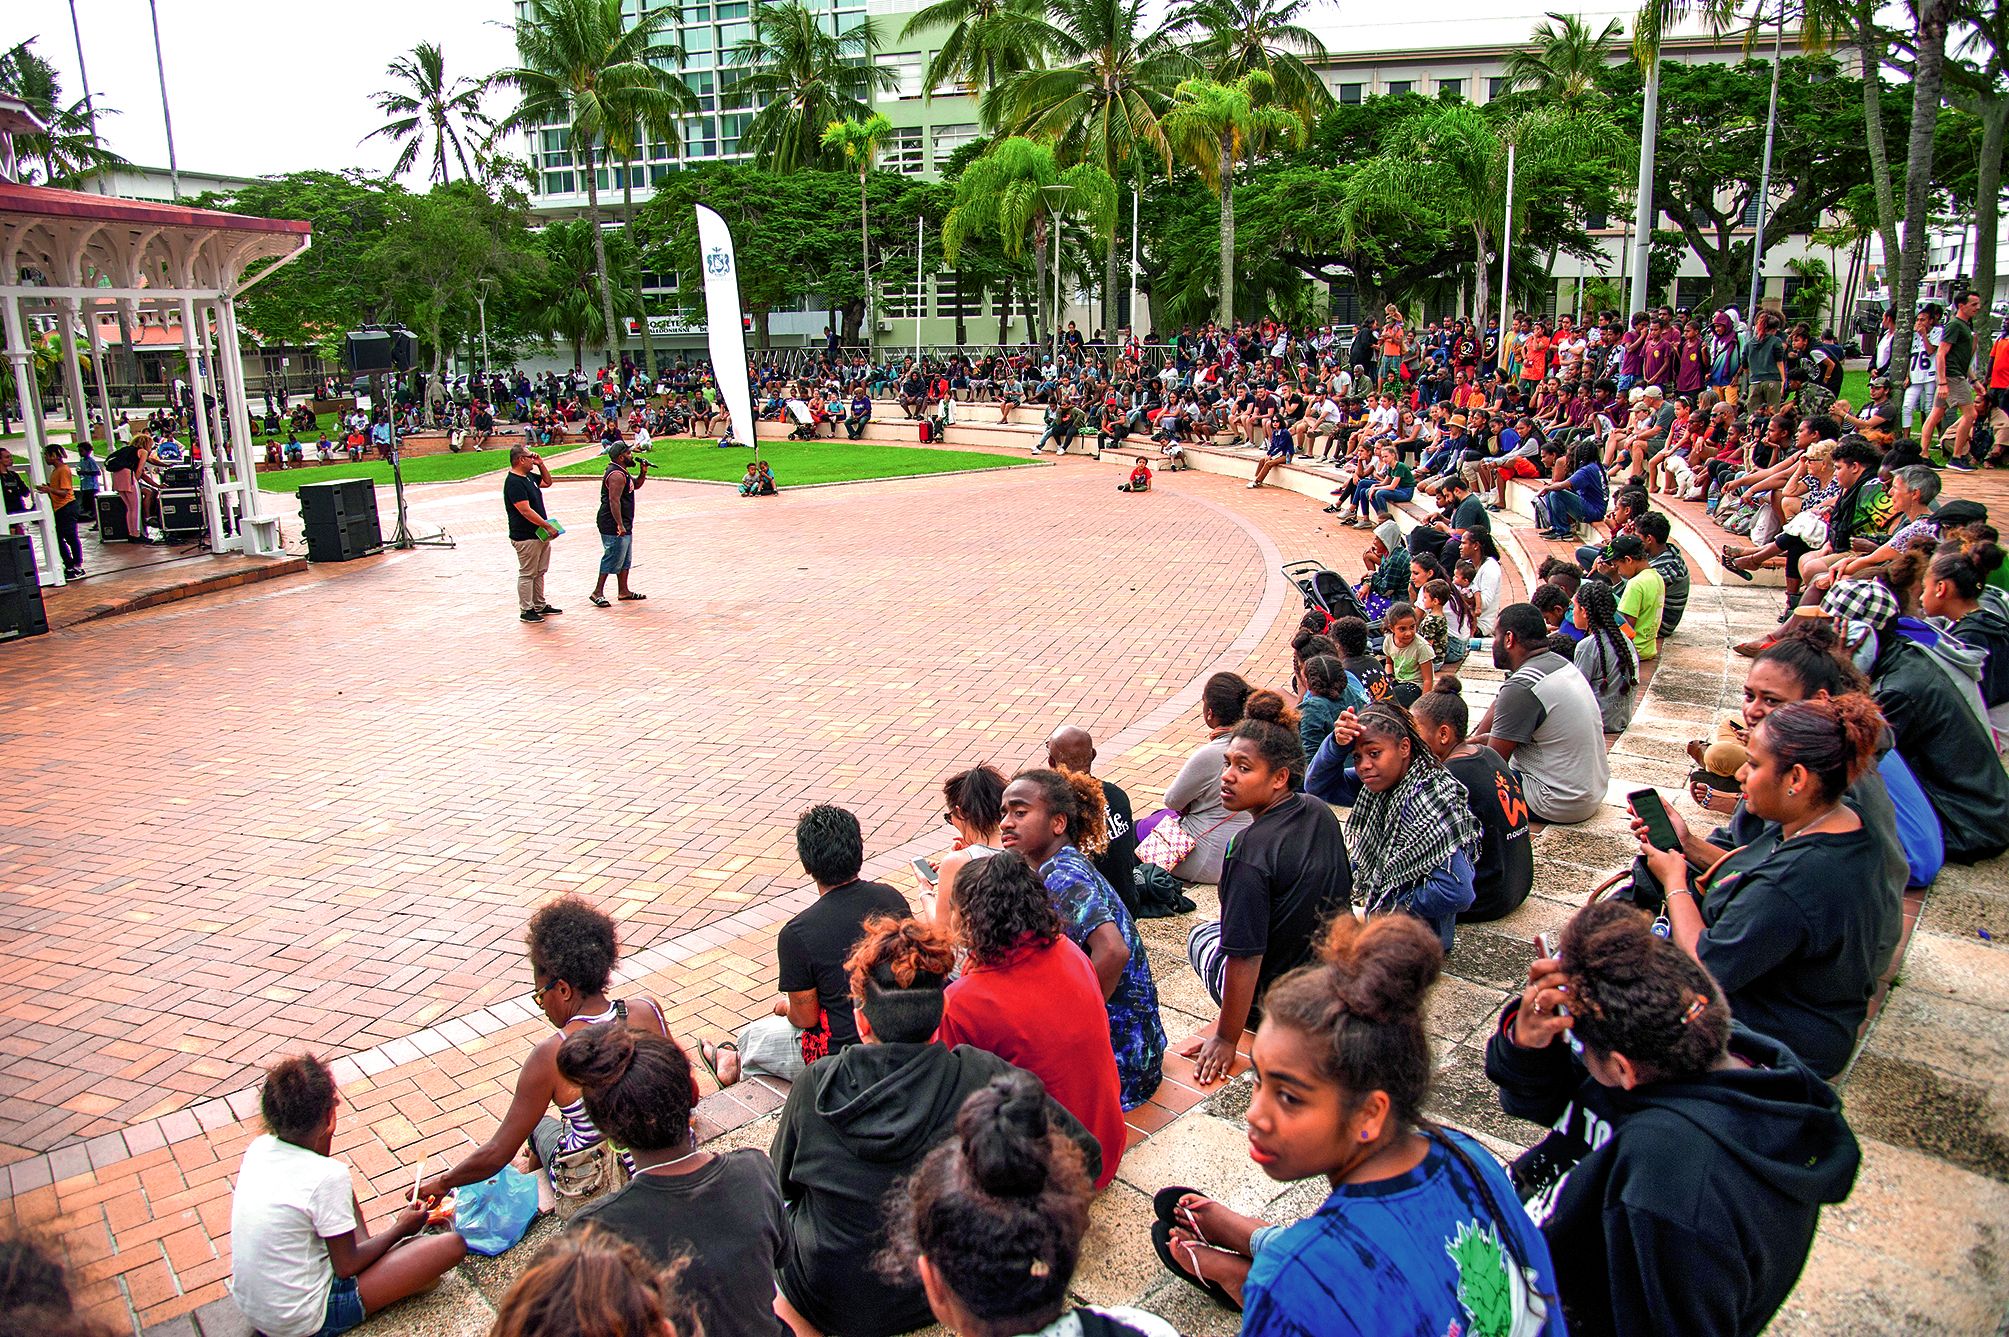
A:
(1916, 1250)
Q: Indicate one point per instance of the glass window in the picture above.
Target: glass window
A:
(1399, 86)
(1450, 88)
(731, 35)
(1496, 87)
(902, 153)
(949, 138)
(950, 299)
(734, 10)
(558, 183)
(1750, 218)
(1351, 94)
(906, 65)
(699, 37)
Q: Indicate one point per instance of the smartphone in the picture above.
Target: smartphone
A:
(925, 871)
(1646, 803)
(1546, 946)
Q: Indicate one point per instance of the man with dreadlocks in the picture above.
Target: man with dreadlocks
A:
(1411, 833)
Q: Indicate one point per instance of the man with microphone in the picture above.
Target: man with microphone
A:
(617, 522)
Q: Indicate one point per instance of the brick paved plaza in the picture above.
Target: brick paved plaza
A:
(314, 812)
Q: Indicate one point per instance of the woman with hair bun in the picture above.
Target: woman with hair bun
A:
(991, 1224)
(1050, 818)
(858, 1121)
(1422, 1232)
(720, 1212)
(1195, 793)
(1784, 922)
(1284, 877)
(1955, 582)
(1688, 1157)
(592, 1282)
(1030, 996)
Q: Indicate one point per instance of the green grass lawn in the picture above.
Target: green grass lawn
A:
(801, 462)
(422, 469)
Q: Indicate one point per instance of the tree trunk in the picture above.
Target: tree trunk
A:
(1004, 314)
(1109, 287)
(1869, 43)
(628, 227)
(865, 256)
(1481, 288)
(1225, 313)
(1034, 322)
(1928, 76)
(606, 282)
(1987, 200)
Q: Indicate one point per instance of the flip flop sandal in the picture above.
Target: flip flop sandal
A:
(632, 598)
(1722, 784)
(1730, 563)
(709, 1059)
(1161, 1240)
(599, 601)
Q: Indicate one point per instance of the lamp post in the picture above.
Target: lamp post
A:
(1506, 241)
(1765, 170)
(481, 301)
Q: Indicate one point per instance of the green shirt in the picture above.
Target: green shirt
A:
(1958, 342)
(1643, 601)
(1402, 475)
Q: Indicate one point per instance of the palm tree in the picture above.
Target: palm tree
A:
(583, 67)
(1237, 38)
(1103, 99)
(651, 121)
(859, 142)
(1019, 192)
(1214, 127)
(567, 306)
(802, 78)
(982, 40)
(69, 149)
(423, 103)
(1565, 58)
(1448, 164)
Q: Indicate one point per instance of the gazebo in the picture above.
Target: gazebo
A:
(65, 255)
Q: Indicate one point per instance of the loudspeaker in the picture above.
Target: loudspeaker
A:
(21, 611)
(112, 518)
(327, 543)
(340, 519)
(367, 351)
(181, 512)
(181, 477)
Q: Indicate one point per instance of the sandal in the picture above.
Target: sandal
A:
(1729, 560)
(631, 597)
(599, 601)
(709, 1058)
(1165, 1205)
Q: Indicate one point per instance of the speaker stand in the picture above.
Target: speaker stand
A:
(402, 537)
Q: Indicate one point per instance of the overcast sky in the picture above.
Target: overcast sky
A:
(258, 87)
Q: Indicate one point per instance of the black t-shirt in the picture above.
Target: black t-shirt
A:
(1118, 863)
(605, 518)
(1374, 679)
(1470, 516)
(521, 487)
(1506, 869)
(726, 1218)
(1285, 875)
(125, 457)
(811, 949)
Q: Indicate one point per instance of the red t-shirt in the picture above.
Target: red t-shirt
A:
(1042, 1010)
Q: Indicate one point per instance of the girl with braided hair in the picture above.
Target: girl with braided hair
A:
(1412, 835)
(1050, 818)
(1421, 1232)
(859, 1121)
(1605, 655)
(1688, 1158)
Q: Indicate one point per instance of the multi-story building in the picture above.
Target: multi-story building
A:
(1462, 57)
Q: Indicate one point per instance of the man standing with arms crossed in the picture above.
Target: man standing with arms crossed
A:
(616, 522)
(530, 530)
(1955, 374)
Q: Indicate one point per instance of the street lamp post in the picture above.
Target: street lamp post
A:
(1765, 170)
(481, 300)
(1506, 242)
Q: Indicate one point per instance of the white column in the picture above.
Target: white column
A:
(39, 523)
(73, 371)
(99, 379)
(259, 531)
(191, 351)
(221, 471)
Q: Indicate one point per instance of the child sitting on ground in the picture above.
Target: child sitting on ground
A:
(759, 480)
(301, 1260)
(1140, 479)
(1409, 656)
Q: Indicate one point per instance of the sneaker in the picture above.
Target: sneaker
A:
(1254, 486)
(530, 615)
(1964, 463)
(548, 610)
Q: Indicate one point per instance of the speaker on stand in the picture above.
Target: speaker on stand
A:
(380, 354)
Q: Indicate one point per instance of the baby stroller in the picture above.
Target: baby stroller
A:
(1324, 589)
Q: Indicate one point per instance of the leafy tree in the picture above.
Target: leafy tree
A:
(802, 77)
(1238, 38)
(1565, 58)
(636, 123)
(69, 150)
(565, 304)
(982, 40)
(1216, 127)
(437, 250)
(424, 105)
(1102, 98)
(859, 142)
(585, 67)
(1019, 191)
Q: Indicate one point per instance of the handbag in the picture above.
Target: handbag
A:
(1169, 842)
(1809, 526)
(588, 1172)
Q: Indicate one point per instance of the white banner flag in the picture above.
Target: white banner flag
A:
(724, 331)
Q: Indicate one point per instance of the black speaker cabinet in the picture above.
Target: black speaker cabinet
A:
(181, 512)
(112, 518)
(21, 611)
(340, 520)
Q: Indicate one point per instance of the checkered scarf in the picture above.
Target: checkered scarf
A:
(1399, 837)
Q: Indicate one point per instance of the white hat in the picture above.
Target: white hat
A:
(1652, 392)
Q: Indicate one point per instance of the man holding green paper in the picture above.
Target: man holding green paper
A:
(531, 530)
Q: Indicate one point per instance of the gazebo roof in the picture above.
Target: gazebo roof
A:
(77, 239)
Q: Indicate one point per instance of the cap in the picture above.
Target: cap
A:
(615, 447)
(1879, 382)
(1861, 601)
(1652, 392)
(1627, 545)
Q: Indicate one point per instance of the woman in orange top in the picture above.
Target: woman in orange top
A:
(61, 490)
(1535, 354)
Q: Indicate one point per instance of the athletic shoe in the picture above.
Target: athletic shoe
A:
(548, 610)
(530, 615)
(1964, 463)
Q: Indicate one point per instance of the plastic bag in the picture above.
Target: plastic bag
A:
(492, 1215)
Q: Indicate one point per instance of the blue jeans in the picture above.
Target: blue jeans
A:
(1626, 382)
(1567, 510)
(616, 551)
(1384, 500)
(345, 1308)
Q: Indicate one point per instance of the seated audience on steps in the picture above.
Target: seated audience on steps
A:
(1504, 871)
(1546, 721)
(1411, 836)
(594, 1282)
(1195, 793)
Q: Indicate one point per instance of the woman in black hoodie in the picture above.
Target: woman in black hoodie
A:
(1688, 1158)
(859, 1121)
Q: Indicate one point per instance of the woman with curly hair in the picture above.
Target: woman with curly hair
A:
(572, 953)
(592, 1281)
(1688, 1158)
(1050, 817)
(1032, 997)
(858, 1122)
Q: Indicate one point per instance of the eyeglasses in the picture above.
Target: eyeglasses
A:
(948, 817)
(537, 994)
